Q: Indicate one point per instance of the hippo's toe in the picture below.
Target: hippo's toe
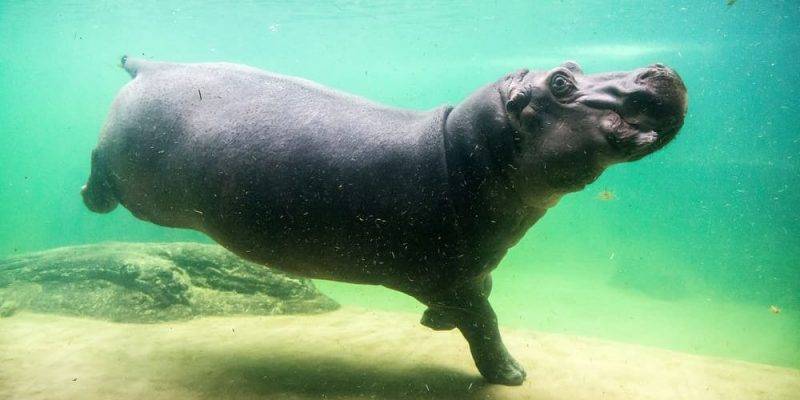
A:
(504, 372)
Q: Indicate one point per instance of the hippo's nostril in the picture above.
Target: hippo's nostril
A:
(647, 74)
(657, 74)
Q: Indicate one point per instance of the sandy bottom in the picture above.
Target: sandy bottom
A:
(347, 354)
(581, 303)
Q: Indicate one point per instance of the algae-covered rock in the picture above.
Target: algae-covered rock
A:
(7, 308)
(150, 282)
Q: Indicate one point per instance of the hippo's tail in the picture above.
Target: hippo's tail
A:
(98, 194)
(131, 65)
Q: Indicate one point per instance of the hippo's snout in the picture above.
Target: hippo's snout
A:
(649, 103)
(658, 102)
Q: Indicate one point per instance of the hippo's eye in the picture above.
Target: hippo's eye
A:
(560, 85)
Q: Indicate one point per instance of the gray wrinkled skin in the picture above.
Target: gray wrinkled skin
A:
(322, 184)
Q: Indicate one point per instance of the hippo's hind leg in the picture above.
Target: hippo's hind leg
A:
(438, 319)
(97, 192)
(468, 309)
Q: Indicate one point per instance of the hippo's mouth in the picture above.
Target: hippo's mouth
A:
(627, 134)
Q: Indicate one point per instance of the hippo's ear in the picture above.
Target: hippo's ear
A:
(517, 100)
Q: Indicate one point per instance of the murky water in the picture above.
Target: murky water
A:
(691, 249)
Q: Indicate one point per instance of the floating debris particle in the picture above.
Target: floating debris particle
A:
(606, 195)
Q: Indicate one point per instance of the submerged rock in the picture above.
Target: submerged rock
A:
(151, 282)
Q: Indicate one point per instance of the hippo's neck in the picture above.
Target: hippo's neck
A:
(480, 149)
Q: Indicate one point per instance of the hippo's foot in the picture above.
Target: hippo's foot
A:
(468, 309)
(97, 194)
(437, 320)
(503, 371)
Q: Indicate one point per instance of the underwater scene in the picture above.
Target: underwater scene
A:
(177, 223)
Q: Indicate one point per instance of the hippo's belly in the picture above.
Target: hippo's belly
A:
(345, 208)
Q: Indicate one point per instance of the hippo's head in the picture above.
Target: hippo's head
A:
(571, 126)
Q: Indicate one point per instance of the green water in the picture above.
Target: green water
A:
(700, 240)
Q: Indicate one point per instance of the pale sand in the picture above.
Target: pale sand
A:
(347, 354)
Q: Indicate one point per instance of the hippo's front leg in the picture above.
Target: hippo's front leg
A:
(439, 318)
(478, 324)
(468, 309)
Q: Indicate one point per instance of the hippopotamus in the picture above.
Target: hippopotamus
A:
(327, 185)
